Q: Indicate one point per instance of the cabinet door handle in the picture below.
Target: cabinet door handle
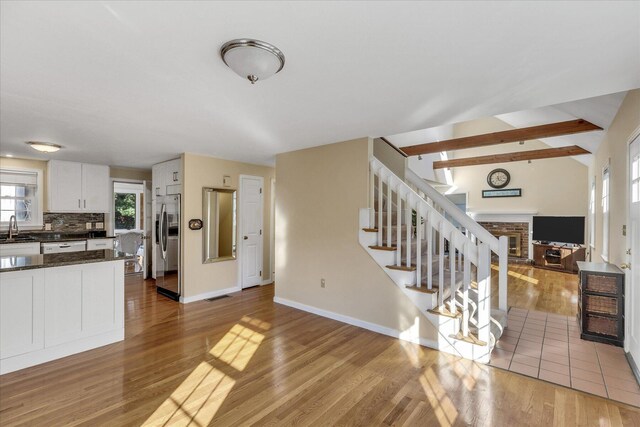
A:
(85, 203)
(78, 202)
(175, 176)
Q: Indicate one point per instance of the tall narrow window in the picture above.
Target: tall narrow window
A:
(19, 196)
(592, 214)
(605, 213)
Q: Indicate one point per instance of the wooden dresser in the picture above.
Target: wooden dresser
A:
(601, 303)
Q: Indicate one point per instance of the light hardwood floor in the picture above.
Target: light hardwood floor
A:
(537, 289)
(244, 360)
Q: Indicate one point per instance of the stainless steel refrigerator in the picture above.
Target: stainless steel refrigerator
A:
(168, 235)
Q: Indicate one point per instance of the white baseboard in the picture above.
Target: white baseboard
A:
(266, 282)
(374, 327)
(21, 361)
(212, 294)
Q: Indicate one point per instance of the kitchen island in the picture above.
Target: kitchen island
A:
(56, 305)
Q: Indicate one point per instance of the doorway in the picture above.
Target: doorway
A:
(251, 235)
(632, 271)
(131, 217)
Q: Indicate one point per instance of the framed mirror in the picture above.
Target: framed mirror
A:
(219, 230)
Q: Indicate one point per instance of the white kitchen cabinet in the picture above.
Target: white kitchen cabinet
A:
(167, 178)
(21, 312)
(97, 244)
(96, 193)
(78, 187)
(80, 302)
(13, 249)
(49, 313)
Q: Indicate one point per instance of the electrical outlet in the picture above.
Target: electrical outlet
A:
(88, 226)
(47, 227)
(322, 283)
(100, 225)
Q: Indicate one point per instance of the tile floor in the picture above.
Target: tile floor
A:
(548, 346)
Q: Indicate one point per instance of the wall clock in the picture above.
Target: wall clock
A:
(498, 178)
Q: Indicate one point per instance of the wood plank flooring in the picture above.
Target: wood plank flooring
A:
(244, 360)
(537, 289)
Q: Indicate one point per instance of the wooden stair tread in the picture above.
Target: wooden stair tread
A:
(472, 339)
(423, 289)
(444, 312)
(383, 248)
(401, 267)
(370, 230)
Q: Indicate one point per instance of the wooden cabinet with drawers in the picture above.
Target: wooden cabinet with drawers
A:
(601, 303)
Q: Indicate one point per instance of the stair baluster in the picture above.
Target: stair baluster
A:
(452, 273)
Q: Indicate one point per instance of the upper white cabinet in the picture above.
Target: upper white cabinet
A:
(167, 178)
(78, 187)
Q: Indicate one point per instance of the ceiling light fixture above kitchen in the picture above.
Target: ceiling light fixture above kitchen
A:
(252, 59)
(45, 147)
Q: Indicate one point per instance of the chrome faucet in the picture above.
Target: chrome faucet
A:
(13, 227)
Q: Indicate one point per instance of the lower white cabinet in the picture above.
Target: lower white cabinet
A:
(14, 249)
(21, 312)
(96, 244)
(54, 312)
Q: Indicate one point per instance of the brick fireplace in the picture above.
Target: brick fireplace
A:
(517, 232)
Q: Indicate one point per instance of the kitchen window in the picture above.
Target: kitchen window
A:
(21, 195)
(128, 206)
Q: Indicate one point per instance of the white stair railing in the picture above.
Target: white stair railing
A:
(432, 223)
(499, 246)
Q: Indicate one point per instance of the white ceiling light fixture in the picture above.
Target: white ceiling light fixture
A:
(252, 59)
(45, 147)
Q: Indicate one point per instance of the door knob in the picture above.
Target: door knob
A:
(625, 266)
(246, 238)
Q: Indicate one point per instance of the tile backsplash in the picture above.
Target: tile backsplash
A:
(72, 221)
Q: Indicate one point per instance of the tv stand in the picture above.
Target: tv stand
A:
(558, 257)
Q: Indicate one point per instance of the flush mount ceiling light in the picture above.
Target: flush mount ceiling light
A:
(45, 147)
(252, 59)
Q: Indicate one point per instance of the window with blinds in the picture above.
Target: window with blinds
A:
(19, 196)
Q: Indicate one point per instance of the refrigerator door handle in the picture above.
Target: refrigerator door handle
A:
(161, 231)
(165, 233)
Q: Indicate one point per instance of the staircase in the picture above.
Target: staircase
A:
(444, 270)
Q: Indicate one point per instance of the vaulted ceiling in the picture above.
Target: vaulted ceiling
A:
(134, 83)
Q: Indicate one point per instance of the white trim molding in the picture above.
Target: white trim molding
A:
(374, 327)
(212, 294)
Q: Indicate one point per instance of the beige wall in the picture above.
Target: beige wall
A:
(549, 186)
(616, 148)
(130, 173)
(320, 193)
(389, 157)
(204, 171)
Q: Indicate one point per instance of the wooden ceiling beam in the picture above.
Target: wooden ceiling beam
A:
(546, 153)
(513, 135)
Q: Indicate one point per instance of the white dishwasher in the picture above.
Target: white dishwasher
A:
(53, 248)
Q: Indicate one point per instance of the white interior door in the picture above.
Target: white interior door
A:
(632, 278)
(251, 229)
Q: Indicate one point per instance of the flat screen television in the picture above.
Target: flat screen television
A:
(561, 229)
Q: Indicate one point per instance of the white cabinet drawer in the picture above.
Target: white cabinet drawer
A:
(12, 249)
(97, 244)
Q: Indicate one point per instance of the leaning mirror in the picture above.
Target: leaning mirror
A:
(219, 218)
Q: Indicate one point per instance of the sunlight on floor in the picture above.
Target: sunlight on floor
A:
(197, 400)
(518, 276)
(442, 405)
(236, 348)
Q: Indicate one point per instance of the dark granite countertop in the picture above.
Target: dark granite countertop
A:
(56, 236)
(28, 262)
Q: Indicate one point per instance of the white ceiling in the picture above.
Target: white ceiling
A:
(134, 83)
